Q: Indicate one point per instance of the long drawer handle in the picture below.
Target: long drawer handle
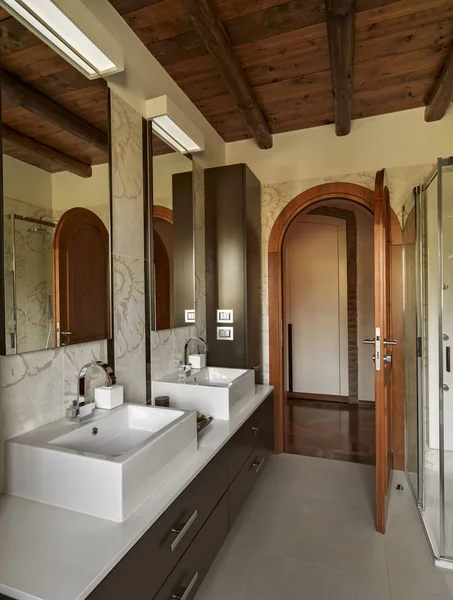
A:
(181, 530)
(258, 464)
(256, 430)
(188, 589)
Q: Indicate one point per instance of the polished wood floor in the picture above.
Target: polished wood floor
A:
(331, 430)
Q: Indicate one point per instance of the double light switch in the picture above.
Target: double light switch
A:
(225, 333)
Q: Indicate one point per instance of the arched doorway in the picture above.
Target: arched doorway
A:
(329, 191)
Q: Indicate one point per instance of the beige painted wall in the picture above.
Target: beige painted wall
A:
(392, 141)
(26, 183)
(69, 190)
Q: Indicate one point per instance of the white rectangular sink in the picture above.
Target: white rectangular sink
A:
(105, 467)
(213, 391)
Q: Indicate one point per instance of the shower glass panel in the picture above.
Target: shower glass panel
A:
(428, 343)
(446, 345)
(28, 284)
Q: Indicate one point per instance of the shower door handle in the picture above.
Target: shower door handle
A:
(448, 358)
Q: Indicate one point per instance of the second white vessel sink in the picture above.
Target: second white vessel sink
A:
(213, 391)
(105, 467)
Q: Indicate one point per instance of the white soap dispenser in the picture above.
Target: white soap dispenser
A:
(197, 360)
(110, 395)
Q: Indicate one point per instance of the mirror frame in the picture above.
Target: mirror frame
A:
(111, 339)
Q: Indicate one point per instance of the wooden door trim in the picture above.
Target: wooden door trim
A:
(328, 191)
(163, 213)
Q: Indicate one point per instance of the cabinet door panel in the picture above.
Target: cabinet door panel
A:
(194, 565)
(245, 480)
(246, 439)
(146, 566)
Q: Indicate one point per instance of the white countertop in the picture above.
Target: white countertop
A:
(49, 553)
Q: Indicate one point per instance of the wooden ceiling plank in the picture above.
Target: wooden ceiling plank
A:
(340, 15)
(214, 36)
(442, 94)
(34, 101)
(62, 160)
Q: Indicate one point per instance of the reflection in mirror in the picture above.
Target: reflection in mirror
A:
(56, 200)
(173, 244)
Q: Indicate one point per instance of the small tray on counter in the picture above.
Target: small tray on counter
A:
(203, 421)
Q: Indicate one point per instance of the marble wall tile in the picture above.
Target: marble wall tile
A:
(74, 358)
(31, 393)
(161, 353)
(127, 179)
(130, 340)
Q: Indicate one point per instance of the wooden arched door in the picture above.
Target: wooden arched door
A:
(81, 278)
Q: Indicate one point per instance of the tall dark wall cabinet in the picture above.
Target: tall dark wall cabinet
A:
(233, 266)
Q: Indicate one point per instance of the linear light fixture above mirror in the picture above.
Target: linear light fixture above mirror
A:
(172, 126)
(72, 31)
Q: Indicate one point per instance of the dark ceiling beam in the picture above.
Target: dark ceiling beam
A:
(212, 32)
(29, 98)
(442, 95)
(63, 162)
(340, 17)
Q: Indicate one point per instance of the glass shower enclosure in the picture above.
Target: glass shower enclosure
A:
(428, 343)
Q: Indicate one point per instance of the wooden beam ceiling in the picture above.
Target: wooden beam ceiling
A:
(442, 95)
(29, 98)
(340, 17)
(62, 161)
(207, 22)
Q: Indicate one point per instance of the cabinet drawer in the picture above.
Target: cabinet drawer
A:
(193, 566)
(248, 437)
(147, 565)
(247, 476)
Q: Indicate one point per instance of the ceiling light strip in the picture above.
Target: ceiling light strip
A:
(174, 130)
(162, 133)
(56, 28)
(25, 15)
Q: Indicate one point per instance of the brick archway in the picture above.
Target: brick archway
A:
(309, 198)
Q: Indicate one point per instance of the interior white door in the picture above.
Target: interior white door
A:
(316, 304)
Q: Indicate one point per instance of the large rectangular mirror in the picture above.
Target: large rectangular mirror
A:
(173, 293)
(56, 198)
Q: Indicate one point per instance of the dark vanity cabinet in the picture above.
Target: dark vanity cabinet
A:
(233, 266)
(174, 555)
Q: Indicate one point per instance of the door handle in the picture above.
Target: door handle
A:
(368, 341)
(390, 342)
(448, 358)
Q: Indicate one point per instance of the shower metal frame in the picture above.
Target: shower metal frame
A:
(422, 392)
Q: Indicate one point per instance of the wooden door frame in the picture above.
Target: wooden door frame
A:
(327, 191)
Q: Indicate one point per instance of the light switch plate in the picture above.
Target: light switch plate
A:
(190, 316)
(224, 315)
(225, 334)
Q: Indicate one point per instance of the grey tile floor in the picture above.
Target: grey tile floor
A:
(307, 532)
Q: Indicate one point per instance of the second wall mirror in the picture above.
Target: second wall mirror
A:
(173, 281)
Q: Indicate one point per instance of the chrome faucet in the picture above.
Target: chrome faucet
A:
(80, 409)
(186, 347)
